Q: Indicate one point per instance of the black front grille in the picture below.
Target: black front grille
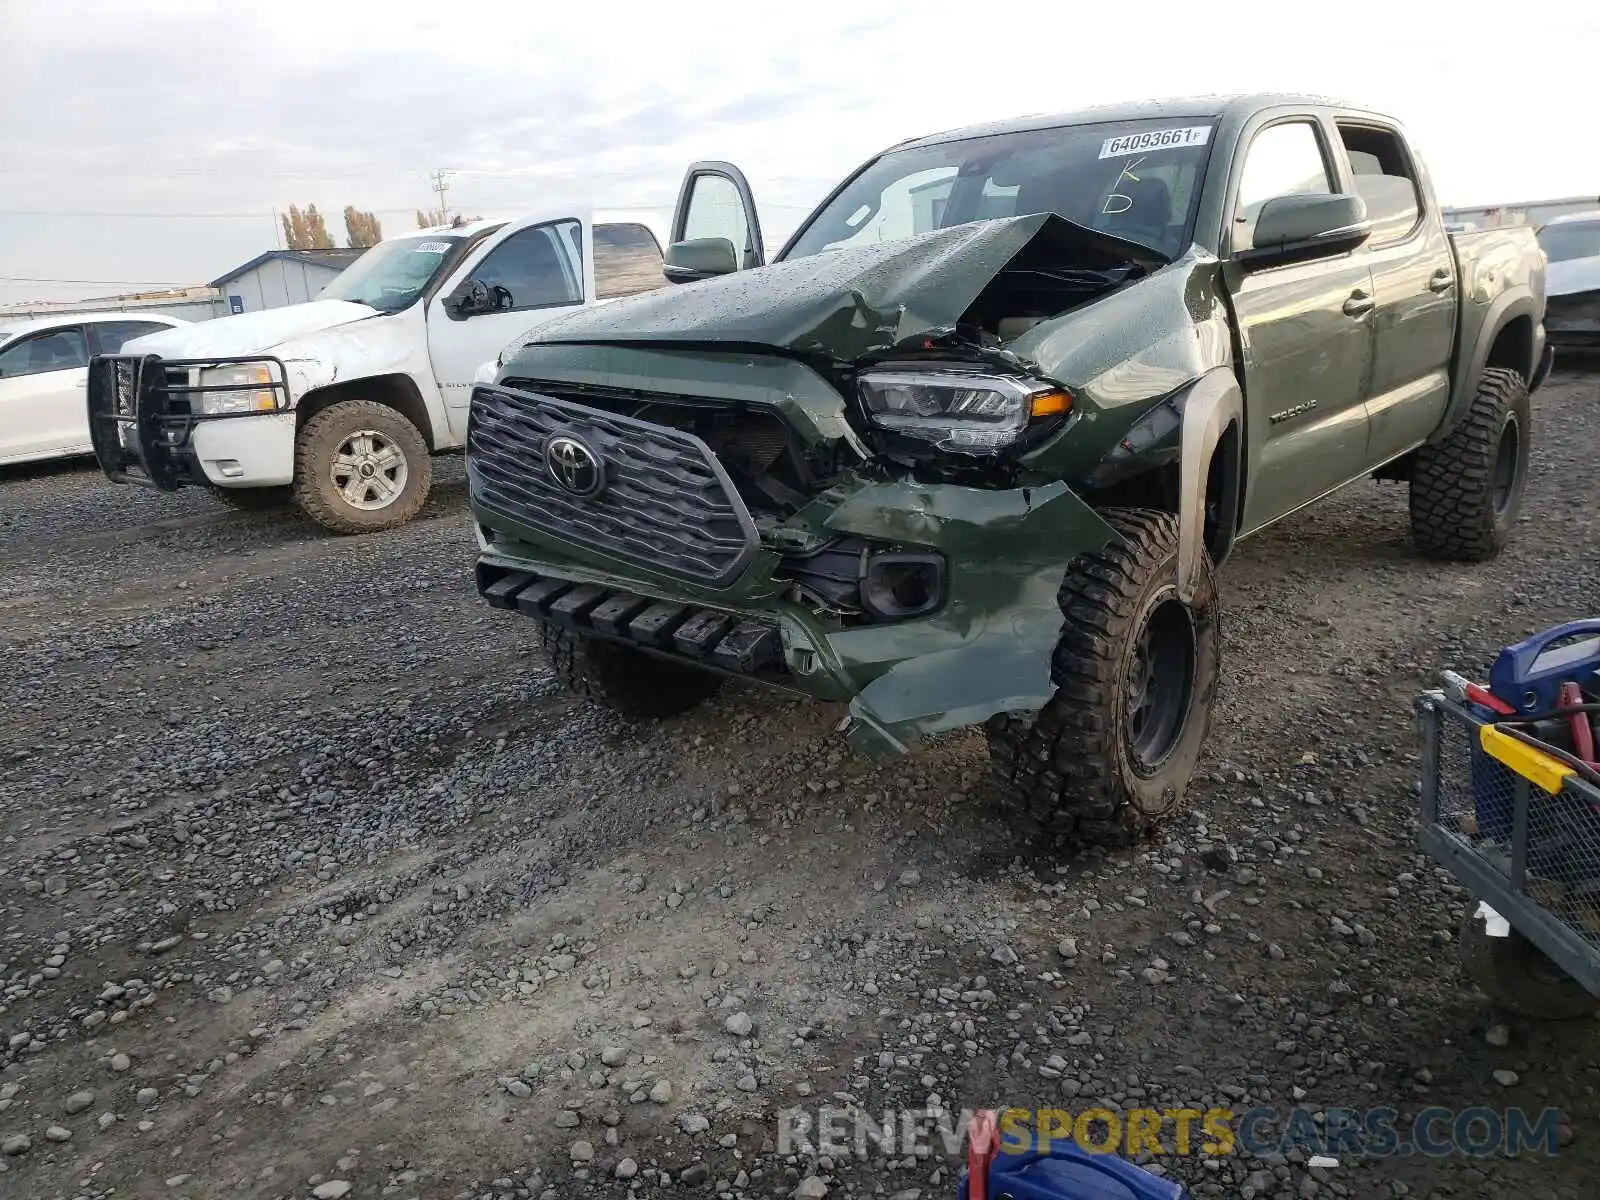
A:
(747, 441)
(177, 377)
(667, 503)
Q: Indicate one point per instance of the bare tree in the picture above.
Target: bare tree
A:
(361, 228)
(432, 219)
(306, 230)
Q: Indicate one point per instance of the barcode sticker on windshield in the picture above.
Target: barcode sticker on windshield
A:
(440, 247)
(1155, 139)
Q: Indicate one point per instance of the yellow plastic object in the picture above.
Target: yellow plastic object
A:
(1533, 765)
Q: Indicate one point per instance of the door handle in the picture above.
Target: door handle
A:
(1359, 304)
(1440, 281)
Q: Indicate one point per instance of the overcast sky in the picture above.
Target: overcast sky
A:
(164, 107)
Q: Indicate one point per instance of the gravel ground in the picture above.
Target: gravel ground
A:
(312, 884)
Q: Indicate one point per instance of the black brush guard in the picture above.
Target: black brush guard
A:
(140, 422)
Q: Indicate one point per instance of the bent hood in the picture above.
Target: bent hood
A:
(843, 304)
(249, 333)
(1572, 276)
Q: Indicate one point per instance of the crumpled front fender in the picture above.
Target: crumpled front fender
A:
(988, 649)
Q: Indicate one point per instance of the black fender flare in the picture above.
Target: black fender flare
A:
(1212, 403)
(1502, 310)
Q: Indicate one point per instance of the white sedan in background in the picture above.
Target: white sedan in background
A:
(44, 370)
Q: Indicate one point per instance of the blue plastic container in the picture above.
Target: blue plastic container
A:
(1528, 676)
(1070, 1173)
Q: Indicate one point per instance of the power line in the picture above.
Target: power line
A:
(95, 282)
(47, 212)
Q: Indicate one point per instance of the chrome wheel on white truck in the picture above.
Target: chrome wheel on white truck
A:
(360, 467)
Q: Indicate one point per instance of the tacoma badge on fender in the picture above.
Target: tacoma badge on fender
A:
(1297, 410)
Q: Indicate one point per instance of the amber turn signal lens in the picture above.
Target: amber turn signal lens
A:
(1051, 404)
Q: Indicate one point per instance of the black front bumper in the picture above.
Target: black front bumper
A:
(702, 637)
(141, 421)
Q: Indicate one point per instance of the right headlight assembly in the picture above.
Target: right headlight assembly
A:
(966, 412)
(238, 397)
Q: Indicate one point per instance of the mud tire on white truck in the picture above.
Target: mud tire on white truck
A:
(318, 448)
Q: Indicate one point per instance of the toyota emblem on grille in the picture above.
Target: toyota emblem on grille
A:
(574, 467)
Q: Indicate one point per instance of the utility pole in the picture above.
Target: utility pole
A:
(441, 184)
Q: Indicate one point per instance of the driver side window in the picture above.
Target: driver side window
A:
(1283, 160)
(534, 268)
(49, 350)
(716, 210)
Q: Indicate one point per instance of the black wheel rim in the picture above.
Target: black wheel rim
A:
(1161, 675)
(1506, 461)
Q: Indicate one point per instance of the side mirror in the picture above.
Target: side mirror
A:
(699, 258)
(1297, 228)
(469, 299)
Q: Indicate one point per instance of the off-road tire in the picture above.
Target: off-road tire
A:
(629, 682)
(255, 499)
(1071, 769)
(315, 449)
(1459, 511)
(1516, 975)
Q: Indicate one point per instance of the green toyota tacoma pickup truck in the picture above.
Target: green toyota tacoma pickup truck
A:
(967, 450)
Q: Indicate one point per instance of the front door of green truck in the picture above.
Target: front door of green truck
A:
(1305, 330)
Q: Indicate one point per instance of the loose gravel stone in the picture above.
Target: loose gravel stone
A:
(78, 1101)
(399, 871)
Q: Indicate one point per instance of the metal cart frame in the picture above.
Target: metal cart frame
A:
(1546, 810)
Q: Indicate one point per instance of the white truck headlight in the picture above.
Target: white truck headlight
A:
(242, 400)
(969, 412)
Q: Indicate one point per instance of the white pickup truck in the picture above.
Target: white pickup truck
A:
(337, 404)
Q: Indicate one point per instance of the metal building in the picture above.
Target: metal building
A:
(188, 304)
(281, 277)
(1526, 212)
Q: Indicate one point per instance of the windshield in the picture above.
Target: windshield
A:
(1577, 239)
(392, 275)
(1137, 180)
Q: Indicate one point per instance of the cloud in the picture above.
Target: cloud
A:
(167, 106)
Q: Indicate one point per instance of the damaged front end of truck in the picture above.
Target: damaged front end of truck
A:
(859, 475)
